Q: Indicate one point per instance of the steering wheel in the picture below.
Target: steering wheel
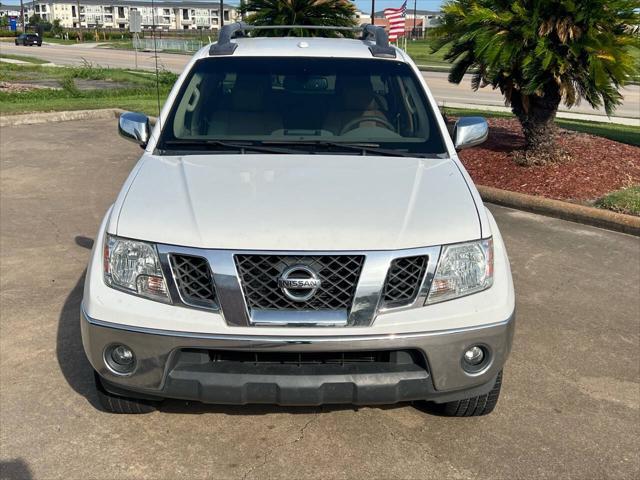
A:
(353, 124)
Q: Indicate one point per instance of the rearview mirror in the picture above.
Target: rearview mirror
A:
(135, 127)
(469, 132)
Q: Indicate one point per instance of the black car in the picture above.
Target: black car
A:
(28, 39)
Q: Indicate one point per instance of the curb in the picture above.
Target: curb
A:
(595, 217)
(46, 117)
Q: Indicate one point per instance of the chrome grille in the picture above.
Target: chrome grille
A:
(403, 280)
(193, 279)
(339, 275)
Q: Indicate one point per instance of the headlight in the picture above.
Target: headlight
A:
(134, 267)
(463, 269)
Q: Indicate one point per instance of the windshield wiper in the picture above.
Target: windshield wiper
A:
(363, 148)
(238, 146)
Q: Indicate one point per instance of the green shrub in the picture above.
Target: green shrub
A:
(69, 86)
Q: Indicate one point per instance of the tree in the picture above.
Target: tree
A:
(56, 28)
(540, 53)
(34, 19)
(299, 12)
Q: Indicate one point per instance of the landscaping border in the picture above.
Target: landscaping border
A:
(63, 116)
(596, 217)
(541, 205)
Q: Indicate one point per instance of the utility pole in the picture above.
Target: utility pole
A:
(221, 13)
(22, 17)
(79, 22)
(373, 12)
(414, 18)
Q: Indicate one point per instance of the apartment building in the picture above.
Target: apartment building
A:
(9, 10)
(166, 15)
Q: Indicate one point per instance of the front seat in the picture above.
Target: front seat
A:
(355, 98)
(248, 112)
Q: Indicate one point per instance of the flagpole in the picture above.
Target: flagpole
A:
(413, 32)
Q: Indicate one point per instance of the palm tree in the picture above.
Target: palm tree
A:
(540, 53)
(300, 12)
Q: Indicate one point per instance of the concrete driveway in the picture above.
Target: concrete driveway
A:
(570, 402)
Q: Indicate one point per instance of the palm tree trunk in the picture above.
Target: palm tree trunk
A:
(537, 116)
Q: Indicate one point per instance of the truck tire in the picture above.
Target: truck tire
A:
(474, 406)
(117, 404)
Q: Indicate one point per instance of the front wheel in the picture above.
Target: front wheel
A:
(473, 406)
(117, 404)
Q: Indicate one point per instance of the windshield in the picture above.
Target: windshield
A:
(302, 103)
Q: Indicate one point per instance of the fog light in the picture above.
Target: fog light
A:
(120, 359)
(122, 355)
(474, 356)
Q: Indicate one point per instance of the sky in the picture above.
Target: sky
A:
(363, 5)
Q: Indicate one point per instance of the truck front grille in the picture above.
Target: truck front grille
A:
(194, 281)
(339, 276)
(403, 280)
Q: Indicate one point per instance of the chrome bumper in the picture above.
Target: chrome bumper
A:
(156, 351)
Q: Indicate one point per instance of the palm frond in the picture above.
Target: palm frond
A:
(576, 49)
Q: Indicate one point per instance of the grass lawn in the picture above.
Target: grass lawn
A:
(626, 201)
(420, 52)
(127, 100)
(136, 89)
(620, 133)
(24, 58)
(118, 44)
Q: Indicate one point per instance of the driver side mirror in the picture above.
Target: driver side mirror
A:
(469, 132)
(135, 127)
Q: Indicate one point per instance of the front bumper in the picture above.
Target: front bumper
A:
(164, 371)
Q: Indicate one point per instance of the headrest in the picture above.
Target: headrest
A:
(249, 91)
(357, 93)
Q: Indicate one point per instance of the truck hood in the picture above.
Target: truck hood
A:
(297, 202)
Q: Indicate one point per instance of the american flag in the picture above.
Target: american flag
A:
(395, 17)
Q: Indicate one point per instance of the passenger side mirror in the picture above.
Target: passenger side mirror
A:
(469, 132)
(135, 127)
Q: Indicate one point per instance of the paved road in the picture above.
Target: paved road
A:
(444, 91)
(569, 407)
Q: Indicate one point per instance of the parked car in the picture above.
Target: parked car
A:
(299, 231)
(29, 39)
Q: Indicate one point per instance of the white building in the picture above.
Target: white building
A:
(167, 15)
(9, 10)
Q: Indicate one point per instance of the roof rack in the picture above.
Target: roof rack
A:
(369, 32)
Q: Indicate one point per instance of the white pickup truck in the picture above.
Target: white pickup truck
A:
(299, 231)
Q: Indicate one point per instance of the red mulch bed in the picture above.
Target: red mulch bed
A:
(598, 165)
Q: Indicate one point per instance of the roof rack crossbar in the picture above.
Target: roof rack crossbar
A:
(369, 32)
